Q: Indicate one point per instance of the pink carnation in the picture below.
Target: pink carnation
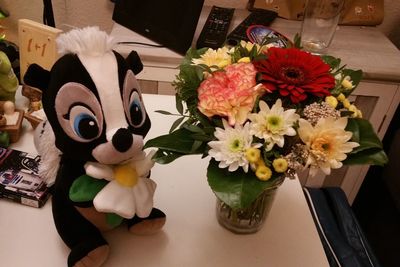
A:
(230, 93)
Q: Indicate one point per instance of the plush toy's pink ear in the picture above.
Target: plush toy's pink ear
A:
(134, 62)
(37, 77)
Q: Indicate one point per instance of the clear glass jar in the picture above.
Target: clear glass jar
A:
(250, 219)
(321, 18)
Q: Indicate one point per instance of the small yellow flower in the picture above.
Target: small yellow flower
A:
(356, 112)
(280, 165)
(331, 101)
(247, 45)
(346, 103)
(263, 173)
(253, 154)
(347, 83)
(244, 60)
(359, 114)
(341, 97)
(352, 108)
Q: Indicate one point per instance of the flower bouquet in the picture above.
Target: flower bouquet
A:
(262, 113)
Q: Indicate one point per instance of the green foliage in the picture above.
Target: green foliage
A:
(370, 150)
(237, 189)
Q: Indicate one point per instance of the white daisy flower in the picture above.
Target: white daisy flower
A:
(129, 191)
(273, 124)
(230, 149)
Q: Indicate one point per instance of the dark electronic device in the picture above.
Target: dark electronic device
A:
(216, 27)
(170, 23)
(256, 17)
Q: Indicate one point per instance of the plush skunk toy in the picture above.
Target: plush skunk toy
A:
(97, 120)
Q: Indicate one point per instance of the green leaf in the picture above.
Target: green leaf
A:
(297, 41)
(353, 127)
(179, 141)
(196, 145)
(176, 124)
(165, 157)
(202, 137)
(364, 135)
(193, 128)
(370, 150)
(331, 61)
(163, 112)
(370, 156)
(179, 105)
(237, 189)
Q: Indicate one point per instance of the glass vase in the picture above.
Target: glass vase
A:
(248, 220)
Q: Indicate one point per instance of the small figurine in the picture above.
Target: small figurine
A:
(10, 114)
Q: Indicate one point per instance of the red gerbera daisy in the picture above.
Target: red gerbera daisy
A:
(295, 73)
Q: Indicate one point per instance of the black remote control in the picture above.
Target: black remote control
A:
(215, 29)
(256, 17)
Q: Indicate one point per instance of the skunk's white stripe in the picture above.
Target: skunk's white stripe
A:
(103, 70)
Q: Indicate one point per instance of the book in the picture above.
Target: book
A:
(19, 179)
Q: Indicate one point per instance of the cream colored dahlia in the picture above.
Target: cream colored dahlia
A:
(273, 124)
(327, 143)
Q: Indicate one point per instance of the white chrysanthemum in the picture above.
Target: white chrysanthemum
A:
(231, 146)
(273, 124)
(327, 143)
(220, 58)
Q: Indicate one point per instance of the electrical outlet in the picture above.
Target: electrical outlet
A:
(37, 44)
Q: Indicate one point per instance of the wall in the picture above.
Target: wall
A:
(80, 13)
(391, 22)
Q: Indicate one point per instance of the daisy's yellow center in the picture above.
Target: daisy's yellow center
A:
(274, 123)
(125, 175)
(236, 145)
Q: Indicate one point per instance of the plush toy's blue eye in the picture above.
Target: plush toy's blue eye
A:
(136, 111)
(86, 126)
(83, 122)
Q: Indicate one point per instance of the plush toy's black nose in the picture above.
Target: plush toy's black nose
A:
(122, 140)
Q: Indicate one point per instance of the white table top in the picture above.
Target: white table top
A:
(191, 236)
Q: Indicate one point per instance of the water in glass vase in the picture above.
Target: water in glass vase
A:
(248, 220)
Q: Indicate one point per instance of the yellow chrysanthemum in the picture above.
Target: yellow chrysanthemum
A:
(341, 97)
(263, 173)
(280, 165)
(346, 103)
(347, 83)
(253, 154)
(331, 101)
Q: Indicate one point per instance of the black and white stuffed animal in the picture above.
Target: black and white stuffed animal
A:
(97, 120)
